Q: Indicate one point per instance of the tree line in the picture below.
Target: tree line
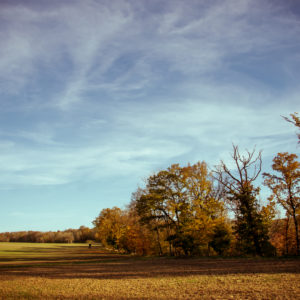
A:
(192, 210)
(80, 235)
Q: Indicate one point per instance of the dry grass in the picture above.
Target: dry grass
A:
(55, 271)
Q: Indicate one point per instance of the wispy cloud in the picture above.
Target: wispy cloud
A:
(99, 89)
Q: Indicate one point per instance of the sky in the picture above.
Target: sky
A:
(95, 96)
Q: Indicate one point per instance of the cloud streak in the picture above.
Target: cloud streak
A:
(88, 40)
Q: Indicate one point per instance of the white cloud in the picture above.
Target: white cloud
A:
(60, 165)
(118, 54)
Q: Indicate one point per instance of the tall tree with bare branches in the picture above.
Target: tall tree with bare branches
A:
(242, 196)
(296, 121)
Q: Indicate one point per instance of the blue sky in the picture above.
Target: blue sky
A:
(98, 95)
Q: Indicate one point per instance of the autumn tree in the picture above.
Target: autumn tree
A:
(110, 227)
(147, 234)
(285, 187)
(242, 195)
(139, 239)
(162, 206)
(181, 204)
(208, 216)
(121, 230)
(282, 236)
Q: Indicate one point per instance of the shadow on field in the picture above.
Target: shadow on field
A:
(46, 250)
(101, 265)
(58, 254)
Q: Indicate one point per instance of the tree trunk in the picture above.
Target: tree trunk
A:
(158, 242)
(286, 235)
(252, 226)
(297, 232)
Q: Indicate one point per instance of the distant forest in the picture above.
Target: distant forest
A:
(81, 235)
(184, 211)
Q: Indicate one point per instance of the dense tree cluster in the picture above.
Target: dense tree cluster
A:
(184, 210)
(183, 206)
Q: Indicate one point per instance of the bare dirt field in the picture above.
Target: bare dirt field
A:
(60, 271)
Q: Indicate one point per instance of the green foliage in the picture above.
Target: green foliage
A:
(251, 230)
(221, 238)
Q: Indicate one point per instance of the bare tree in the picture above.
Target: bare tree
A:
(242, 196)
(247, 166)
(296, 121)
